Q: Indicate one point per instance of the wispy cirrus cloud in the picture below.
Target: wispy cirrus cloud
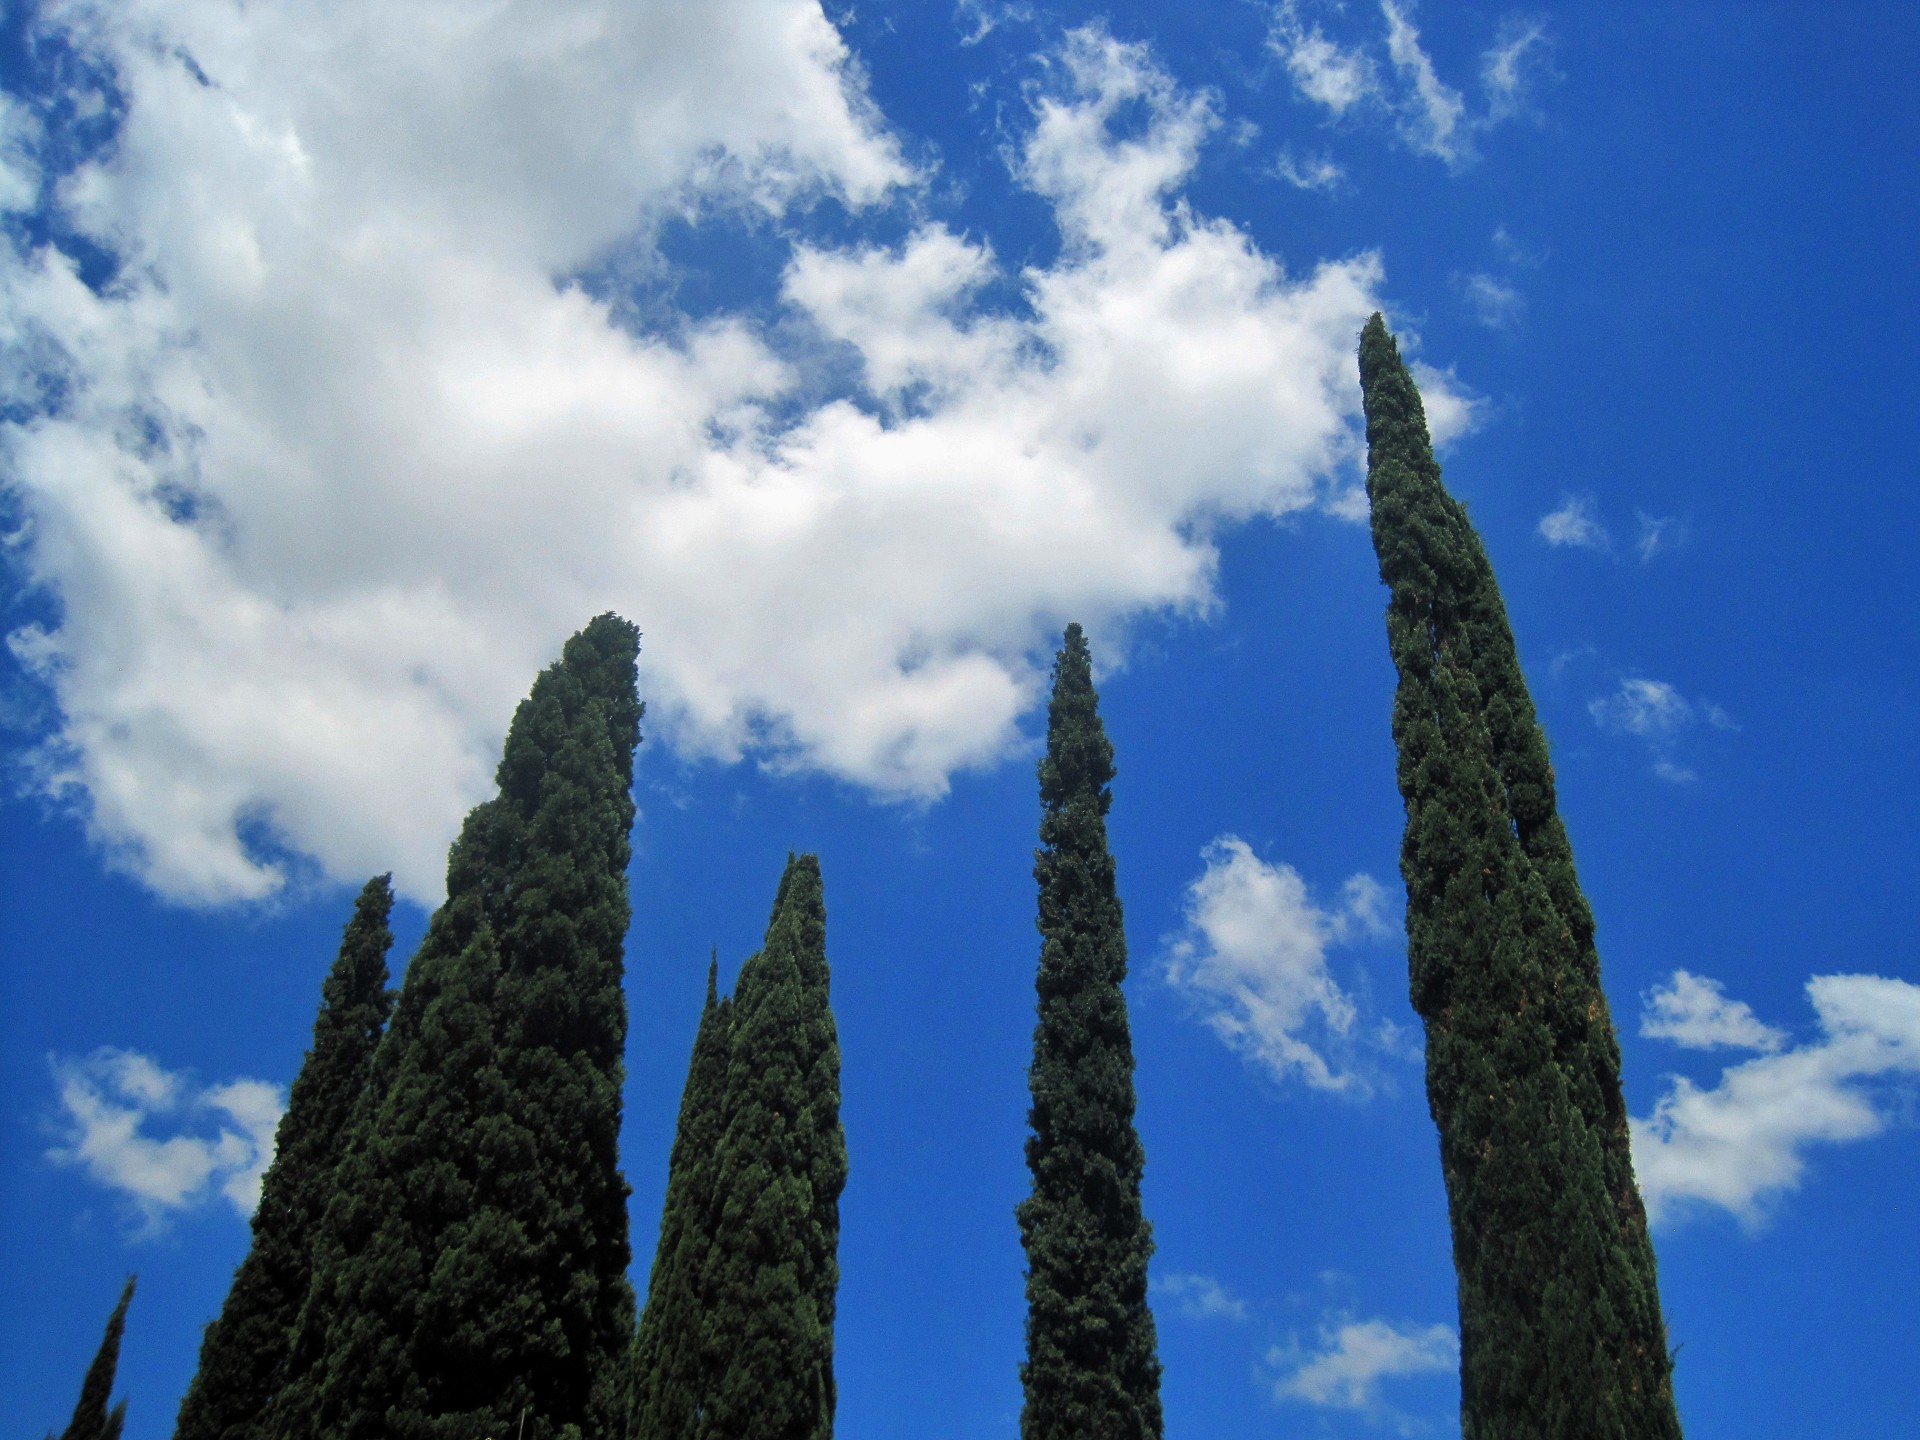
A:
(1657, 714)
(158, 1139)
(1742, 1144)
(1576, 525)
(1201, 1297)
(1403, 86)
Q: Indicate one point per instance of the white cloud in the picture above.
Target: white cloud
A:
(1254, 956)
(1494, 303)
(1741, 1144)
(19, 173)
(1201, 1297)
(1658, 534)
(332, 470)
(221, 1145)
(1576, 523)
(1435, 119)
(1452, 410)
(1355, 1356)
(1430, 116)
(1308, 172)
(1650, 709)
(1324, 72)
(1511, 67)
(1693, 1011)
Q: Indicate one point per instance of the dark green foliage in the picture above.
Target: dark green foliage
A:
(1560, 1328)
(1092, 1369)
(92, 1419)
(675, 1359)
(777, 1176)
(244, 1350)
(471, 1270)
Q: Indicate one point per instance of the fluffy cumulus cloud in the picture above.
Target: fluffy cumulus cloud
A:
(1353, 1357)
(1740, 1145)
(1693, 1011)
(341, 454)
(1253, 957)
(160, 1141)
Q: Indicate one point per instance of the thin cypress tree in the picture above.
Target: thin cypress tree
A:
(92, 1419)
(1560, 1328)
(778, 1172)
(1092, 1366)
(675, 1360)
(244, 1351)
(470, 1277)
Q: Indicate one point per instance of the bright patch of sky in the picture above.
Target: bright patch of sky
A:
(351, 357)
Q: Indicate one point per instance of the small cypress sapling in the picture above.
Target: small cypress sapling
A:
(1561, 1336)
(92, 1417)
(245, 1348)
(1092, 1366)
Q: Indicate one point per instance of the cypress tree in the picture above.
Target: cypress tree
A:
(675, 1360)
(92, 1419)
(1092, 1367)
(778, 1172)
(1560, 1328)
(470, 1275)
(245, 1348)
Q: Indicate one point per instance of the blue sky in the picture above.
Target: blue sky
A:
(354, 356)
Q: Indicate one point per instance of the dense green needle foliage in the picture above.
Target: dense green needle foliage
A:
(1561, 1334)
(244, 1350)
(778, 1172)
(1092, 1366)
(470, 1277)
(92, 1420)
(676, 1357)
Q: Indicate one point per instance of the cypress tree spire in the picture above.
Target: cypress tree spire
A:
(675, 1358)
(244, 1350)
(1092, 1366)
(471, 1270)
(92, 1420)
(1560, 1328)
(778, 1173)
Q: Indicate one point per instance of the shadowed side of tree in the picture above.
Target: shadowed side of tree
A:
(1560, 1327)
(244, 1351)
(778, 1173)
(92, 1417)
(675, 1360)
(1092, 1366)
(470, 1276)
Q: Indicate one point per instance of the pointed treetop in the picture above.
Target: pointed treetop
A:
(92, 1420)
(1079, 758)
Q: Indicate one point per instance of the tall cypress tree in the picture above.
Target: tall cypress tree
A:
(1560, 1328)
(1092, 1366)
(244, 1350)
(675, 1358)
(92, 1419)
(470, 1276)
(778, 1172)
